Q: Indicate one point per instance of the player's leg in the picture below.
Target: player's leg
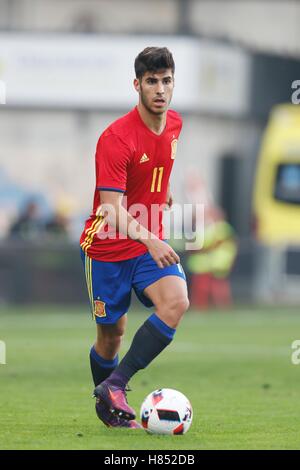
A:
(104, 353)
(109, 293)
(168, 293)
(109, 288)
(103, 360)
(169, 297)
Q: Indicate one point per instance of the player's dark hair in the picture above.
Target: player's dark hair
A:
(153, 59)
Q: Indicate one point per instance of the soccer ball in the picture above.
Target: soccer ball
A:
(166, 411)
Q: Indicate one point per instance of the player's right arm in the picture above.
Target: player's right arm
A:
(118, 217)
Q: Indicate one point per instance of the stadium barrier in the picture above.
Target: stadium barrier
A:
(33, 273)
(52, 273)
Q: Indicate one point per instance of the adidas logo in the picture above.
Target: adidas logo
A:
(144, 158)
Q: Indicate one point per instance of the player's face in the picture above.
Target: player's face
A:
(156, 90)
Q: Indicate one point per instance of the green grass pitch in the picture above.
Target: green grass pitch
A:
(235, 367)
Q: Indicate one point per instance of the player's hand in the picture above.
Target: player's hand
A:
(162, 253)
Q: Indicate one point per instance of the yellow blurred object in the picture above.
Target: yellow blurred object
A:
(218, 252)
(65, 206)
(276, 200)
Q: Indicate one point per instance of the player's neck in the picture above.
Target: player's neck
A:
(156, 123)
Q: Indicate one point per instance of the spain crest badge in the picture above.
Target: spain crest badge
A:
(99, 309)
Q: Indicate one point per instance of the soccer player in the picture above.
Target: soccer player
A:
(134, 159)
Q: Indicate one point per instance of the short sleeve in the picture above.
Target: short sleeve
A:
(112, 159)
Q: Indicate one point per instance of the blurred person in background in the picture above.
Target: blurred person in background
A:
(58, 226)
(29, 224)
(211, 265)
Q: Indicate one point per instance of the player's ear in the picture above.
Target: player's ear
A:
(136, 84)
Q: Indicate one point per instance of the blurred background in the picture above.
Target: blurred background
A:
(66, 72)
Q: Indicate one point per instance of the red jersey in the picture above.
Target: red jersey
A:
(131, 159)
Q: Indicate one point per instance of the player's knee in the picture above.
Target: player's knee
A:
(110, 344)
(185, 304)
(113, 341)
(173, 309)
(119, 331)
(178, 304)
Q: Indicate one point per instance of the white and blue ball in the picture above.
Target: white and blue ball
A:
(166, 411)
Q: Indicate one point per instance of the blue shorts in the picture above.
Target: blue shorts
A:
(110, 283)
